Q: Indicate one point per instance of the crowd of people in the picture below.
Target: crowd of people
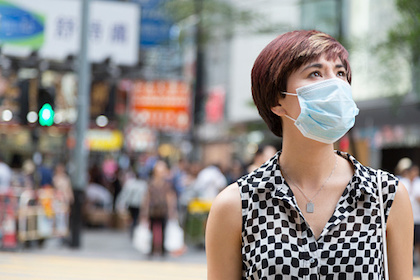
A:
(156, 191)
(147, 188)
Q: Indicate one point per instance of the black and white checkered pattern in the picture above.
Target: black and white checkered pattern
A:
(277, 243)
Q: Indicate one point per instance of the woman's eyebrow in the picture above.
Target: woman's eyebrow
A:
(320, 65)
(314, 65)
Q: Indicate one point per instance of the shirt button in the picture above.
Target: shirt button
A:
(313, 262)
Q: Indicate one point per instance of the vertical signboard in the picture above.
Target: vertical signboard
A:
(155, 24)
(164, 105)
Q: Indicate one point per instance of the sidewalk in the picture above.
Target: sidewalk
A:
(111, 244)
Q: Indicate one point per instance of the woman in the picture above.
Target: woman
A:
(159, 205)
(309, 212)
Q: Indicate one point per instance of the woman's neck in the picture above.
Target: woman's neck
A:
(307, 163)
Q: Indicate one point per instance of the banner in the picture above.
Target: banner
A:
(53, 28)
(164, 105)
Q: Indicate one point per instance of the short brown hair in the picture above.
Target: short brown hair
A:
(279, 59)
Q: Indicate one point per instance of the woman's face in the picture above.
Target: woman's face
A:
(315, 71)
(160, 170)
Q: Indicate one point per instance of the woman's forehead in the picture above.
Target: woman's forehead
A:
(322, 59)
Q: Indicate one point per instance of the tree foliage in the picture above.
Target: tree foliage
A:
(217, 17)
(404, 38)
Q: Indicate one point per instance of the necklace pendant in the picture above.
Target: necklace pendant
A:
(310, 207)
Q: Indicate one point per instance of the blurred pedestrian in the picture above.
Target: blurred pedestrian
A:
(28, 175)
(5, 176)
(62, 184)
(263, 154)
(64, 194)
(131, 198)
(310, 212)
(159, 205)
(98, 199)
(116, 186)
(210, 182)
(235, 171)
(44, 172)
(180, 176)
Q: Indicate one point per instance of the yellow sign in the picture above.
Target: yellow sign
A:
(104, 140)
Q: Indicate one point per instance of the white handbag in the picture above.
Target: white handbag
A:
(174, 236)
(142, 238)
(381, 207)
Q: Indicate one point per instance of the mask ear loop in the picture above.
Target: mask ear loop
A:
(290, 118)
(291, 94)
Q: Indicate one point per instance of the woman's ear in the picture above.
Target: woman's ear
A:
(278, 110)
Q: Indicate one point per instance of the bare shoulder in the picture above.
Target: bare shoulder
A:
(227, 205)
(223, 236)
(401, 206)
(400, 224)
(400, 219)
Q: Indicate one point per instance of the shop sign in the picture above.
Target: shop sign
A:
(113, 30)
(20, 27)
(164, 105)
(104, 140)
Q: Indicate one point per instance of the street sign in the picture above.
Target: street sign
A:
(154, 23)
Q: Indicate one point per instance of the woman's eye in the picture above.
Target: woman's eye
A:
(341, 74)
(315, 74)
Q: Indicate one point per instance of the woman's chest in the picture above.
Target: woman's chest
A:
(279, 241)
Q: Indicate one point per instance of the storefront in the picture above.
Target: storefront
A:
(390, 131)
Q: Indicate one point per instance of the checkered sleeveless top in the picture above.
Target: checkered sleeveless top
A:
(277, 242)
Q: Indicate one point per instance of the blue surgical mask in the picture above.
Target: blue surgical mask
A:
(328, 110)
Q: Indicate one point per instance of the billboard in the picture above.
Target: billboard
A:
(20, 27)
(164, 105)
(55, 27)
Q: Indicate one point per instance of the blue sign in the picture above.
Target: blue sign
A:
(18, 26)
(155, 24)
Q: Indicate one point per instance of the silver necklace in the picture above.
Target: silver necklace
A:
(310, 207)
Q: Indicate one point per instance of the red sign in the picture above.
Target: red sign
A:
(164, 105)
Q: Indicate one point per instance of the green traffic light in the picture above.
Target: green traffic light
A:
(46, 115)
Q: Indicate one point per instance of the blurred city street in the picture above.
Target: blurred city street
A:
(104, 254)
(114, 111)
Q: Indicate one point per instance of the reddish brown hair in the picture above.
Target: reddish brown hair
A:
(280, 58)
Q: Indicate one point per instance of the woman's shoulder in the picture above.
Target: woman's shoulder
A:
(226, 208)
(228, 199)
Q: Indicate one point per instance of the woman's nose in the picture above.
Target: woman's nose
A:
(330, 75)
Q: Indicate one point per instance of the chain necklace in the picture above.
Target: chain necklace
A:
(310, 207)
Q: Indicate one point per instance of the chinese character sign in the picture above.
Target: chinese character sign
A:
(164, 105)
(55, 27)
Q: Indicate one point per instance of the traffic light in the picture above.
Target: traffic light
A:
(46, 106)
(46, 115)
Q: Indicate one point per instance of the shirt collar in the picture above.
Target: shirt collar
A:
(269, 177)
(364, 178)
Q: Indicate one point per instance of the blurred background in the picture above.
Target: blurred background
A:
(170, 79)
